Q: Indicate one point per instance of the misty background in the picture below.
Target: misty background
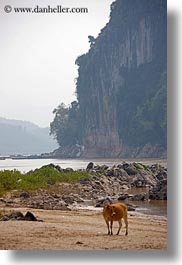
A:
(38, 71)
(38, 53)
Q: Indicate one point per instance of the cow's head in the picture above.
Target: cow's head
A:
(111, 209)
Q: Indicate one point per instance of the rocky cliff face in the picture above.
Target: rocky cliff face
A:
(119, 76)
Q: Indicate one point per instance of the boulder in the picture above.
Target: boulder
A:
(2, 200)
(159, 191)
(58, 168)
(131, 207)
(24, 195)
(123, 197)
(30, 217)
(68, 199)
(124, 187)
(109, 172)
(138, 197)
(130, 169)
(102, 201)
(84, 181)
(104, 167)
(90, 166)
(68, 170)
(17, 215)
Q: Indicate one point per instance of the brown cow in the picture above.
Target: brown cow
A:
(115, 212)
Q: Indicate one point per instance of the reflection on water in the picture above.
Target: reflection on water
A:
(150, 207)
(158, 207)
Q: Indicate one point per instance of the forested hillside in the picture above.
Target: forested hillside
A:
(121, 87)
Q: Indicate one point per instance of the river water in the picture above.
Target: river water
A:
(25, 165)
(147, 207)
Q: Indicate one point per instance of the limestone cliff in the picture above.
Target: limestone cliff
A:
(120, 80)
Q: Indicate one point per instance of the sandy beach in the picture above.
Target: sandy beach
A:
(81, 230)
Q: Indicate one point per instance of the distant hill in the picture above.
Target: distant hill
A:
(23, 137)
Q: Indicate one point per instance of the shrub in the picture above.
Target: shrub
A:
(35, 179)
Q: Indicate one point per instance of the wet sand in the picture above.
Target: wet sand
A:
(82, 230)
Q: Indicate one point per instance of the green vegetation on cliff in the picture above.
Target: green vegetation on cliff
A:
(121, 85)
(66, 125)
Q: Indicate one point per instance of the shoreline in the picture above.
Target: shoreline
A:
(59, 188)
(132, 213)
(67, 226)
(81, 229)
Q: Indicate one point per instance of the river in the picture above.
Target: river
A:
(25, 165)
(147, 207)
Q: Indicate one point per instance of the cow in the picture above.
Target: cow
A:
(115, 212)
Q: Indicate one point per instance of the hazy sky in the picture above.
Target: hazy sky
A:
(38, 52)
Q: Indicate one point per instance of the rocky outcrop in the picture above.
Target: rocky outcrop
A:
(146, 151)
(125, 182)
(113, 183)
(73, 151)
(119, 78)
(19, 216)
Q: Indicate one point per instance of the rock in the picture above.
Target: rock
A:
(58, 168)
(156, 168)
(17, 215)
(138, 197)
(116, 172)
(130, 169)
(4, 218)
(124, 187)
(24, 195)
(109, 172)
(104, 167)
(98, 183)
(90, 166)
(161, 175)
(131, 207)
(68, 170)
(139, 166)
(123, 173)
(2, 200)
(106, 183)
(61, 207)
(102, 201)
(69, 199)
(84, 181)
(79, 243)
(120, 166)
(123, 197)
(140, 181)
(56, 196)
(47, 206)
(159, 191)
(30, 217)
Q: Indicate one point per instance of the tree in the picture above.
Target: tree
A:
(91, 40)
(66, 126)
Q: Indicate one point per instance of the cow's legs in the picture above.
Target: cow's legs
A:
(107, 223)
(126, 223)
(120, 225)
(111, 227)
